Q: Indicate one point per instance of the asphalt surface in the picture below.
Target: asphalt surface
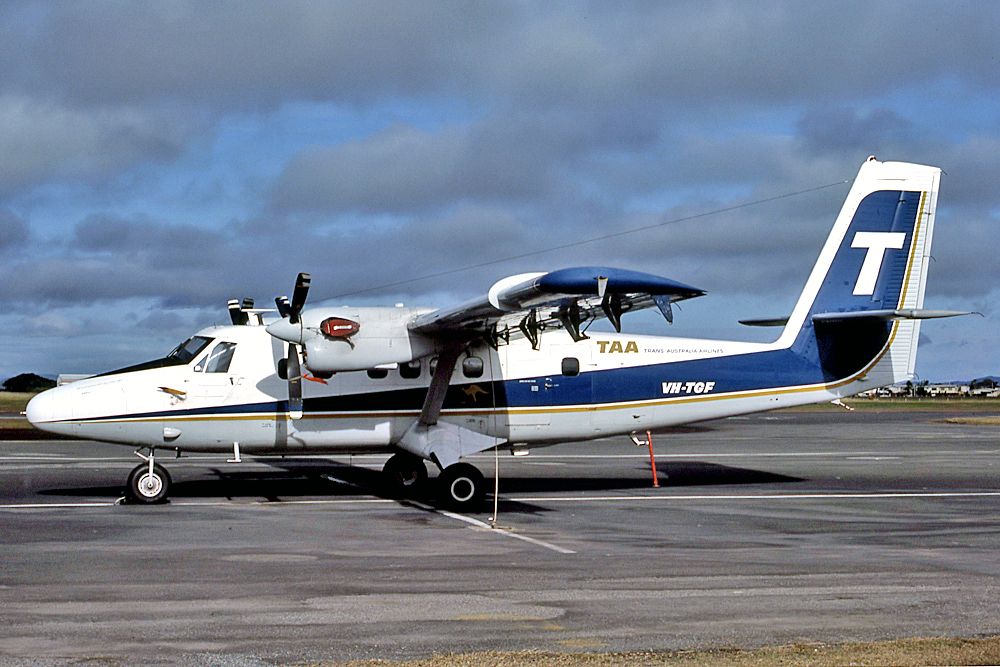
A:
(767, 529)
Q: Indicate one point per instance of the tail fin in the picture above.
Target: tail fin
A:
(858, 315)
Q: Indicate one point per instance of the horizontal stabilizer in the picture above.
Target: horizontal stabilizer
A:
(897, 314)
(772, 322)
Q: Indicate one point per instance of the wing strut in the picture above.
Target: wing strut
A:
(439, 384)
(443, 443)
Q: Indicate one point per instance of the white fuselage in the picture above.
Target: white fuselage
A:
(529, 400)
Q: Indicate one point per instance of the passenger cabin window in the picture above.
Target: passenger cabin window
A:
(472, 367)
(410, 370)
(218, 360)
(378, 373)
(570, 366)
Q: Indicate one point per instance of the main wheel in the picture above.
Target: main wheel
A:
(147, 488)
(462, 486)
(404, 473)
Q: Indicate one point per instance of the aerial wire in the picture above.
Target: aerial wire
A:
(593, 239)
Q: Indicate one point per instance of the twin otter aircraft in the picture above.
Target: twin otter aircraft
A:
(516, 366)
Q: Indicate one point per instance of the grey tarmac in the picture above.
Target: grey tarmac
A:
(775, 528)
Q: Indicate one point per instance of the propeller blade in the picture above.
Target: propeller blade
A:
(247, 303)
(283, 306)
(236, 314)
(294, 383)
(299, 296)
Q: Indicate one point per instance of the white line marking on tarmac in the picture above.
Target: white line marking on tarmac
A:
(50, 506)
(268, 460)
(506, 532)
(554, 499)
(470, 520)
(492, 529)
(763, 496)
(736, 455)
(874, 458)
(337, 480)
(207, 503)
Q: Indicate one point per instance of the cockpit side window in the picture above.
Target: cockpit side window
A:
(189, 349)
(218, 360)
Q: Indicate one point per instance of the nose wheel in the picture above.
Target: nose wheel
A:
(148, 483)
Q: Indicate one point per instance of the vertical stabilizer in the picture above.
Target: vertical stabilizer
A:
(874, 263)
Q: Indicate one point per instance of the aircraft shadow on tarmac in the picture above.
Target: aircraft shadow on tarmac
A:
(310, 478)
(672, 474)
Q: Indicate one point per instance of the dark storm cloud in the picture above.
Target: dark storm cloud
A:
(13, 230)
(158, 243)
(510, 159)
(91, 89)
(471, 132)
(845, 129)
(263, 53)
(43, 141)
(249, 54)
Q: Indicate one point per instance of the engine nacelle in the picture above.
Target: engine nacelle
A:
(354, 339)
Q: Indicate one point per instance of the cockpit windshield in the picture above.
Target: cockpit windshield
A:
(181, 355)
(189, 349)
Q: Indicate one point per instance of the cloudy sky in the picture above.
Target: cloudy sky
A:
(159, 158)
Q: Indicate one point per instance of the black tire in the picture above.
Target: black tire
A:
(462, 487)
(405, 474)
(145, 489)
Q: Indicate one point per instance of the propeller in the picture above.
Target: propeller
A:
(299, 297)
(294, 371)
(289, 328)
(236, 313)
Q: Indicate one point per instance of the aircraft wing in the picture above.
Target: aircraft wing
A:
(529, 303)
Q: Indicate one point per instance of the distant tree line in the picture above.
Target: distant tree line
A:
(28, 382)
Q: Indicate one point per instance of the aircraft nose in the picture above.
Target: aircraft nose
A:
(39, 408)
(47, 407)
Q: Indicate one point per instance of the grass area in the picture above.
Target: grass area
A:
(974, 421)
(903, 652)
(14, 401)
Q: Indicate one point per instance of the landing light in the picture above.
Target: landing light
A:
(338, 327)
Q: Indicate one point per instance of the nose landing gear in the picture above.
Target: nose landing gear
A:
(148, 482)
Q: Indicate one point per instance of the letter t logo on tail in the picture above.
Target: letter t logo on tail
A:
(877, 243)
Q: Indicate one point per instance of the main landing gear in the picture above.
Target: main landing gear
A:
(404, 474)
(460, 486)
(149, 482)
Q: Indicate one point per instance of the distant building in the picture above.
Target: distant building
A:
(947, 390)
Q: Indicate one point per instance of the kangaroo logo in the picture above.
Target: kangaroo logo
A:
(473, 392)
(876, 243)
